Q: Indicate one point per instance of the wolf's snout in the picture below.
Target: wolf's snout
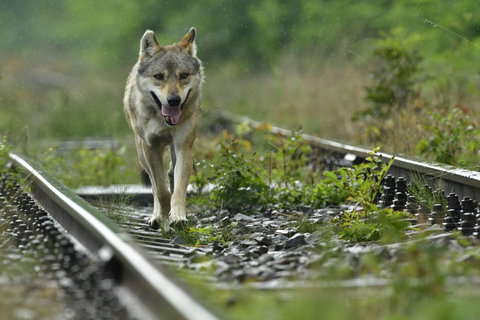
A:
(173, 100)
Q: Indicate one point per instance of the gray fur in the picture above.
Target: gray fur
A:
(156, 129)
(168, 61)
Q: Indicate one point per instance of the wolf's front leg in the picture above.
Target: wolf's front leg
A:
(182, 172)
(153, 158)
(160, 208)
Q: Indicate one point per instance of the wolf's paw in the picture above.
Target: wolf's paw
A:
(154, 223)
(157, 223)
(177, 213)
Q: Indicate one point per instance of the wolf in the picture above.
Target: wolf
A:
(162, 106)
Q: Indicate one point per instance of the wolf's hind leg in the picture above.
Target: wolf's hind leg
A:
(171, 170)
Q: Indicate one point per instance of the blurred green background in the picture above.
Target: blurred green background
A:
(401, 74)
(297, 63)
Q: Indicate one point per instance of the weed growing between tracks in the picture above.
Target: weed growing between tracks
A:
(6, 172)
(257, 170)
(278, 176)
(4, 156)
(421, 190)
(116, 207)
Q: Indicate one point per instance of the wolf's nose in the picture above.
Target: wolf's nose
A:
(173, 100)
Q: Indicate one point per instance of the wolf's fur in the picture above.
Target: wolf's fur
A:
(162, 106)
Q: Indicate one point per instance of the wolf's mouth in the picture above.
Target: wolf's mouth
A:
(171, 115)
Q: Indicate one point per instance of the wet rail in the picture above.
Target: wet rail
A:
(155, 292)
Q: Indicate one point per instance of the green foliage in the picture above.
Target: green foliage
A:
(382, 224)
(116, 207)
(330, 190)
(434, 128)
(247, 30)
(239, 182)
(303, 225)
(288, 171)
(395, 82)
(358, 184)
(5, 149)
(367, 182)
(4, 154)
(197, 236)
(362, 184)
(274, 174)
(355, 230)
(452, 138)
(420, 189)
(385, 225)
(280, 176)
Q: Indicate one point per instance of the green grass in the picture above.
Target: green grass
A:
(117, 207)
(302, 225)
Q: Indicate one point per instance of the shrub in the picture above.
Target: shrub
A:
(453, 138)
(395, 82)
(239, 181)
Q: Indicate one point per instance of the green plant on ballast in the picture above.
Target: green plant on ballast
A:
(238, 179)
(116, 207)
(363, 181)
(279, 175)
(368, 222)
(291, 158)
(276, 173)
(289, 174)
(4, 154)
(302, 225)
(5, 149)
(383, 224)
(330, 190)
(421, 190)
(198, 236)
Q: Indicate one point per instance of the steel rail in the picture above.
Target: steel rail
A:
(451, 179)
(162, 297)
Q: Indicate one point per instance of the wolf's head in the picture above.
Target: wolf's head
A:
(171, 76)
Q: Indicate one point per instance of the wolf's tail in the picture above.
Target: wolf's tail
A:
(145, 178)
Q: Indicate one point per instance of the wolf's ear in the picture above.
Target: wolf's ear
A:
(148, 45)
(188, 43)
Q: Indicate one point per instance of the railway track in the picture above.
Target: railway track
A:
(151, 291)
(132, 255)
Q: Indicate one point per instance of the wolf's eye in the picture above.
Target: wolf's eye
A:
(183, 76)
(159, 76)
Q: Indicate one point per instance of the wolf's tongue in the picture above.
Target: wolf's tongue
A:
(172, 112)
